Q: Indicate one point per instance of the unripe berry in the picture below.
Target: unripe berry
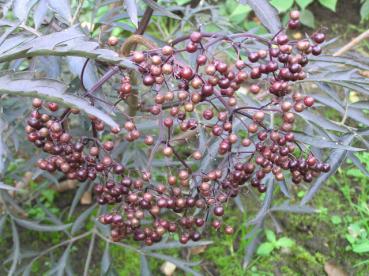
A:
(36, 103)
(113, 41)
(195, 37)
(309, 101)
(167, 50)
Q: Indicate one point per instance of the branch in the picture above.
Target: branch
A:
(352, 44)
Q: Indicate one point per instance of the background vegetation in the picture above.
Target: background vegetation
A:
(54, 223)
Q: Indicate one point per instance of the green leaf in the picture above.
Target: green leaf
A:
(307, 18)
(239, 14)
(330, 4)
(285, 242)
(266, 13)
(336, 219)
(270, 236)
(265, 249)
(361, 247)
(364, 10)
(282, 5)
(24, 84)
(303, 3)
(182, 2)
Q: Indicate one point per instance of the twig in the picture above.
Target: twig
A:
(111, 72)
(89, 254)
(352, 44)
(78, 11)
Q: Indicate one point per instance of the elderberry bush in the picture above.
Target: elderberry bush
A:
(254, 143)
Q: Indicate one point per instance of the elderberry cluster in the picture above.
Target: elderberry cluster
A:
(185, 98)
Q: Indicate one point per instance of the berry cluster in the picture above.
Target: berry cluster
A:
(183, 98)
(77, 158)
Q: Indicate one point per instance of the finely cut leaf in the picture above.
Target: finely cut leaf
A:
(175, 244)
(3, 147)
(266, 204)
(16, 248)
(162, 10)
(145, 269)
(69, 42)
(323, 142)
(266, 13)
(81, 220)
(21, 8)
(185, 266)
(62, 7)
(41, 227)
(106, 260)
(23, 84)
(335, 160)
(283, 186)
(132, 11)
(358, 163)
(77, 196)
(250, 250)
(286, 207)
(40, 13)
(7, 187)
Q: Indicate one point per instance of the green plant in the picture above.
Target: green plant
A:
(307, 17)
(266, 248)
(186, 86)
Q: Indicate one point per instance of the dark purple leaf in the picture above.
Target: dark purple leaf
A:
(356, 161)
(164, 11)
(40, 13)
(145, 269)
(286, 207)
(23, 84)
(16, 248)
(174, 244)
(260, 216)
(323, 142)
(31, 225)
(132, 11)
(283, 186)
(251, 247)
(81, 220)
(106, 259)
(185, 266)
(335, 160)
(62, 7)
